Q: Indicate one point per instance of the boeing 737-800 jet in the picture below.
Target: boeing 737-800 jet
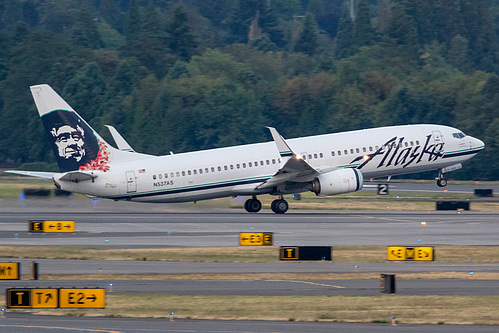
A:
(324, 164)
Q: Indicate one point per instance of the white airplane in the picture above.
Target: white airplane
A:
(324, 164)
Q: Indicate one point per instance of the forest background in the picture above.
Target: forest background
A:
(197, 74)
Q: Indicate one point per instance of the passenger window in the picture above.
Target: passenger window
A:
(238, 166)
(309, 156)
(351, 151)
(171, 174)
(160, 176)
(232, 167)
(183, 173)
(212, 169)
(244, 165)
(219, 168)
(417, 142)
(206, 170)
(268, 162)
(200, 171)
(178, 174)
(377, 147)
(315, 155)
(346, 152)
(166, 175)
(304, 157)
(194, 172)
(250, 165)
(332, 153)
(370, 148)
(261, 162)
(273, 161)
(406, 144)
(321, 155)
(339, 152)
(225, 168)
(357, 150)
(412, 143)
(154, 177)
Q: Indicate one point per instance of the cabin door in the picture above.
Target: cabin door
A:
(131, 184)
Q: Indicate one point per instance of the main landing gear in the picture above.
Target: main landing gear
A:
(253, 205)
(279, 206)
(441, 181)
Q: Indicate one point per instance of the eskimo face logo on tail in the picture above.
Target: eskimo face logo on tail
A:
(74, 143)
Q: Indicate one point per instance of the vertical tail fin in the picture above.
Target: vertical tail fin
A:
(75, 144)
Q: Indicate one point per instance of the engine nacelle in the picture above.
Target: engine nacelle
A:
(337, 182)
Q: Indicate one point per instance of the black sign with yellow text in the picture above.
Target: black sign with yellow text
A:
(305, 253)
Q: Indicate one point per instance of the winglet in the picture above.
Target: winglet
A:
(120, 141)
(281, 144)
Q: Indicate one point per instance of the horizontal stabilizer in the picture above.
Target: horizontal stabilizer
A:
(38, 174)
(77, 176)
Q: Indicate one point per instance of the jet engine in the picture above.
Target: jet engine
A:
(337, 182)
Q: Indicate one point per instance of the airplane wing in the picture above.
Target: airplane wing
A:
(120, 141)
(295, 169)
(39, 174)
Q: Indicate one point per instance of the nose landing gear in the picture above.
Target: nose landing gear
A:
(441, 181)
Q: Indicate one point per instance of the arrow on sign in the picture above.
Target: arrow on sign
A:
(93, 298)
(49, 297)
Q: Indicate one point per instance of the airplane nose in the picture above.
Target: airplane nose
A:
(477, 143)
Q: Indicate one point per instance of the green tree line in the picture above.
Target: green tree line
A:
(197, 74)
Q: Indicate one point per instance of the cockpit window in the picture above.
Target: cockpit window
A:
(458, 135)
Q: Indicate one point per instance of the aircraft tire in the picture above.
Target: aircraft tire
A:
(279, 206)
(442, 182)
(252, 205)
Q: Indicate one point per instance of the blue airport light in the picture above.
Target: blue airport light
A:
(95, 201)
(387, 207)
(110, 285)
(22, 196)
(106, 240)
(419, 240)
(198, 227)
(356, 266)
(251, 228)
(471, 273)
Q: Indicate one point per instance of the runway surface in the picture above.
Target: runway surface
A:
(297, 287)
(129, 225)
(25, 323)
(105, 224)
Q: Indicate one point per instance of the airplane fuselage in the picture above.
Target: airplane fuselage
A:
(235, 171)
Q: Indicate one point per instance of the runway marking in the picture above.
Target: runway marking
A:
(312, 283)
(62, 328)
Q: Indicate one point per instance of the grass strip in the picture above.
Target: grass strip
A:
(242, 254)
(472, 310)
